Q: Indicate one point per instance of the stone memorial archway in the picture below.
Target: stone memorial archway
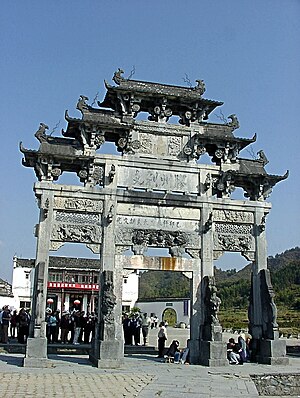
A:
(154, 195)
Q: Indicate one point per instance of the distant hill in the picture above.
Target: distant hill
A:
(233, 286)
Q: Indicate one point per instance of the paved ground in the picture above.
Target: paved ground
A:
(140, 376)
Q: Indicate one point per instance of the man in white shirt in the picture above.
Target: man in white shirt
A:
(146, 322)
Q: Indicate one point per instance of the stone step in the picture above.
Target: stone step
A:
(72, 349)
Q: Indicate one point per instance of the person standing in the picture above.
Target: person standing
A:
(5, 324)
(146, 322)
(23, 326)
(77, 327)
(162, 338)
(136, 325)
(1, 326)
(52, 324)
(13, 324)
(64, 327)
(127, 330)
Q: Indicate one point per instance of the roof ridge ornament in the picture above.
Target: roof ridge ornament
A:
(41, 133)
(200, 87)
(234, 122)
(117, 77)
(262, 157)
(81, 104)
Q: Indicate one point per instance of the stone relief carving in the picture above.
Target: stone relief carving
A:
(159, 238)
(236, 229)
(217, 254)
(75, 233)
(112, 172)
(78, 218)
(269, 309)
(55, 245)
(146, 143)
(87, 205)
(97, 175)
(224, 184)
(262, 226)
(208, 224)
(233, 237)
(108, 298)
(161, 112)
(194, 253)
(211, 329)
(233, 216)
(95, 248)
(234, 243)
(174, 146)
(127, 145)
(121, 249)
(249, 255)
(110, 215)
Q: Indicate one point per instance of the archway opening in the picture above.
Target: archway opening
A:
(233, 280)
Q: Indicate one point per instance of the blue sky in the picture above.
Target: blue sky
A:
(247, 52)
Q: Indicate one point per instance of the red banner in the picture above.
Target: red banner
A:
(78, 286)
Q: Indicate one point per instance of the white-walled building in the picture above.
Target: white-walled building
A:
(72, 279)
(6, 295)
(175, 311)
(69, 280)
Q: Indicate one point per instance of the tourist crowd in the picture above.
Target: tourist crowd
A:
(15, 324)
(137, 325)
(71, 327)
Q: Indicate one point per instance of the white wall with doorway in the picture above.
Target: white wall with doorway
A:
(180, 306)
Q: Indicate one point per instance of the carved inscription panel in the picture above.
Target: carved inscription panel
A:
(148, 179)
(181, 213)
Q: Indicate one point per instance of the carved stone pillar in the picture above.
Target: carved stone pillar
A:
(209, 349)
(196, 315)
(36, 350)
(267, 348)
(107, 347)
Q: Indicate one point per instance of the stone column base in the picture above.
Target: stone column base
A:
(213, 353)
(107, 354)
(193, 345)
(36, 353)
(272, 352)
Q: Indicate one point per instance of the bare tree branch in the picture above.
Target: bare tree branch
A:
(251, 152)
(55, 127)
(187, 80)
(95, 99)
(221, 117)
(132, 72)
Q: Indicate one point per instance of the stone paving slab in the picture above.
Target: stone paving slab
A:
(140, 376)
